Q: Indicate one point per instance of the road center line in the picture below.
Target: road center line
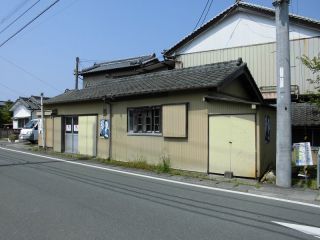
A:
(165, 180)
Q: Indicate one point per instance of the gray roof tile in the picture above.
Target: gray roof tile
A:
(199, 77)
(305, 114)
(118, 64)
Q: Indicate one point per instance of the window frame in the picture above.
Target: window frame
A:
(22, 120)
(144, 115)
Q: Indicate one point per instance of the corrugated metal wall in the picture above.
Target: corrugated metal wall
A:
(83, 109)
(57, 133)
(188, 154)
(184, 153)
(48, 133)
(261, 61)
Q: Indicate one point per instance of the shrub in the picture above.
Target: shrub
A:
(13, 137)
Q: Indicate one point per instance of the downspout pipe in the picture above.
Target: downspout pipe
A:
(110, 127)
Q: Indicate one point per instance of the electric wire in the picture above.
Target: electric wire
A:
(3, 20)
(29, 73)
(207, 12)
(31, 21)
(50, 17)
(20, 16)
(205, 7)
(10, 89)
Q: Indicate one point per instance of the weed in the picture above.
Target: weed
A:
(305, 183)
(82, 157)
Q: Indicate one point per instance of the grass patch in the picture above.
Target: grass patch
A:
(137, 164)
(305, 183)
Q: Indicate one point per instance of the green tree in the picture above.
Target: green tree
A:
(5, 114)
(314, 65)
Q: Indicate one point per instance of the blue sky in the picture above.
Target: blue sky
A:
(42, 57)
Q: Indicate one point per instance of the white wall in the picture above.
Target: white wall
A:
(15, 124)
(21, 112)
(242, 29)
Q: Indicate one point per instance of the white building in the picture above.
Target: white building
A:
(24, 109)
(249, 31)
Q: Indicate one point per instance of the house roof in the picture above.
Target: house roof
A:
(305, 114)
(240, 6)
(226, 98)
(199, 77)
(120, 64)
(31, 103)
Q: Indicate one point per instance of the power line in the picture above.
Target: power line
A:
(205, 7)
(31, 21)
(207, 12)
(10, 89)
(21, 15)
(29, 73)
(50, 17)
(3, 20)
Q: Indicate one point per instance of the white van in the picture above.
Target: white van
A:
(30, 131)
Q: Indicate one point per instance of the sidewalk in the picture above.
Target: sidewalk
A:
(216, 181)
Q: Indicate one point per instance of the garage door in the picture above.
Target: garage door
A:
(88, 135)
(232, 144)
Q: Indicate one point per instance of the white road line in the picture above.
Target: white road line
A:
(166, 180)
(314, 231)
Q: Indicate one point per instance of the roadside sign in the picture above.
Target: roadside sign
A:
(302, 154)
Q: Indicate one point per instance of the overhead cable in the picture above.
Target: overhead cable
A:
(29, 73)
(31, 21)
(21, 15)
(205, 7)
(207, 12)
(3, 20)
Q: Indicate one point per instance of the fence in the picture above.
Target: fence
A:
(4, 133)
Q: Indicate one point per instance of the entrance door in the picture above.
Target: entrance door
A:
(232, 144)
(71, 134)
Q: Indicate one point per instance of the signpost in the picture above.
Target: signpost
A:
(318, 170)
(303, 157)
(302, 154)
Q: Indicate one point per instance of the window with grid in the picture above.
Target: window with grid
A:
(146, 120)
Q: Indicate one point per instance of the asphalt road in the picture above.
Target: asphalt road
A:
(47, 199)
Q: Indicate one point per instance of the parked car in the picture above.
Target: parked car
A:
(30, 131)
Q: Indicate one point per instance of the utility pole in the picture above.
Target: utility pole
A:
(284, 139)
(76, 72)
(43, 134)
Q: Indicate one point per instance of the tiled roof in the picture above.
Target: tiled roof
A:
(117, 64)
(32, 103)
(199, 77)
(305, 114)
(240, 6)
